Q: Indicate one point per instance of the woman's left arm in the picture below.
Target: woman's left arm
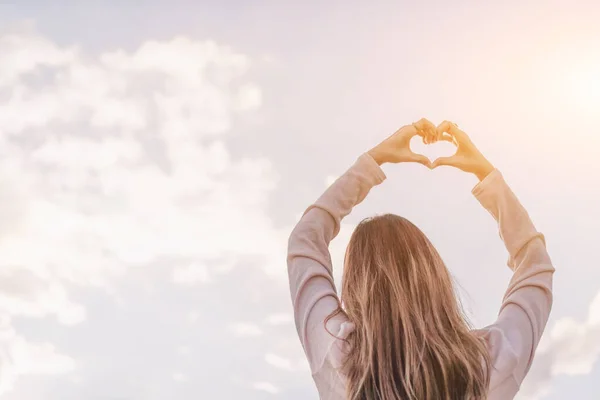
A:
(310, 272)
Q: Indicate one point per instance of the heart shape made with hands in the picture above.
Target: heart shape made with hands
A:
(432, 151)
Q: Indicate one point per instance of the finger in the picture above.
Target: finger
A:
(430, 139)
(424, 125)
(433, 134)
(428, 134)
(417, 130)
(449, 138)
(441, 135)
(448, 161)
(430, 130)
(421, 134)
(452, 129)
(421, 159)
(445, 127)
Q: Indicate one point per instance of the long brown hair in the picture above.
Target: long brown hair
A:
(411, 338)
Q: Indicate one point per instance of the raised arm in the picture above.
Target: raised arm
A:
(528, 300)
(310, 273)
(310, 270)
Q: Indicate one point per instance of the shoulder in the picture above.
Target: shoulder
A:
(329, 378)
(338, 347)
(504, 359)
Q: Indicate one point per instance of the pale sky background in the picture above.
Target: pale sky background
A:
(155, 155)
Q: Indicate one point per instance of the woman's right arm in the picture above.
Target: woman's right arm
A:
(528, 300)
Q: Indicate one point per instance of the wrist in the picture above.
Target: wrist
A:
(377, 156)
(484, 170)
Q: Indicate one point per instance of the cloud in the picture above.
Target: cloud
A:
(266, 387)
(180, 377)
(191, 274)
(23, 293)
(193, 317)
(184, 350)
(569, 348)
(278, 362)
(115, 161)
(242, 329)
(21, 357)
(280, 319)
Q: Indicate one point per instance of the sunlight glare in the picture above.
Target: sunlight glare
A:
(584, 87)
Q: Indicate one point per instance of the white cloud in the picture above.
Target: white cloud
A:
(243, 329)
(114, 161)
(575, 347)
(25, 293)
(180, 377)
(594, 311)
(24, 53)
(280, 319)
(568, 348)
(193, 317)
(20, 357)
(249, 97)
(266, 387)
(192, 274)
(184, 350)
(278, 362)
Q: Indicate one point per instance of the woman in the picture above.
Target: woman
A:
(398, 331)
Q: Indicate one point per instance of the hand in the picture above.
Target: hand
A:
(467, 157)
(396, 148)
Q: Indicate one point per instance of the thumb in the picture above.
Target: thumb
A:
(449, 161)
(421, 159)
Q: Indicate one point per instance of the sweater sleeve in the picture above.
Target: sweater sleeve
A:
(312, 287)
(528, 300)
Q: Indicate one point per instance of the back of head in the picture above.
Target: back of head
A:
(411, 340)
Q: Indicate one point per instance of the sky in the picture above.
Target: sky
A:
(155, 156)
